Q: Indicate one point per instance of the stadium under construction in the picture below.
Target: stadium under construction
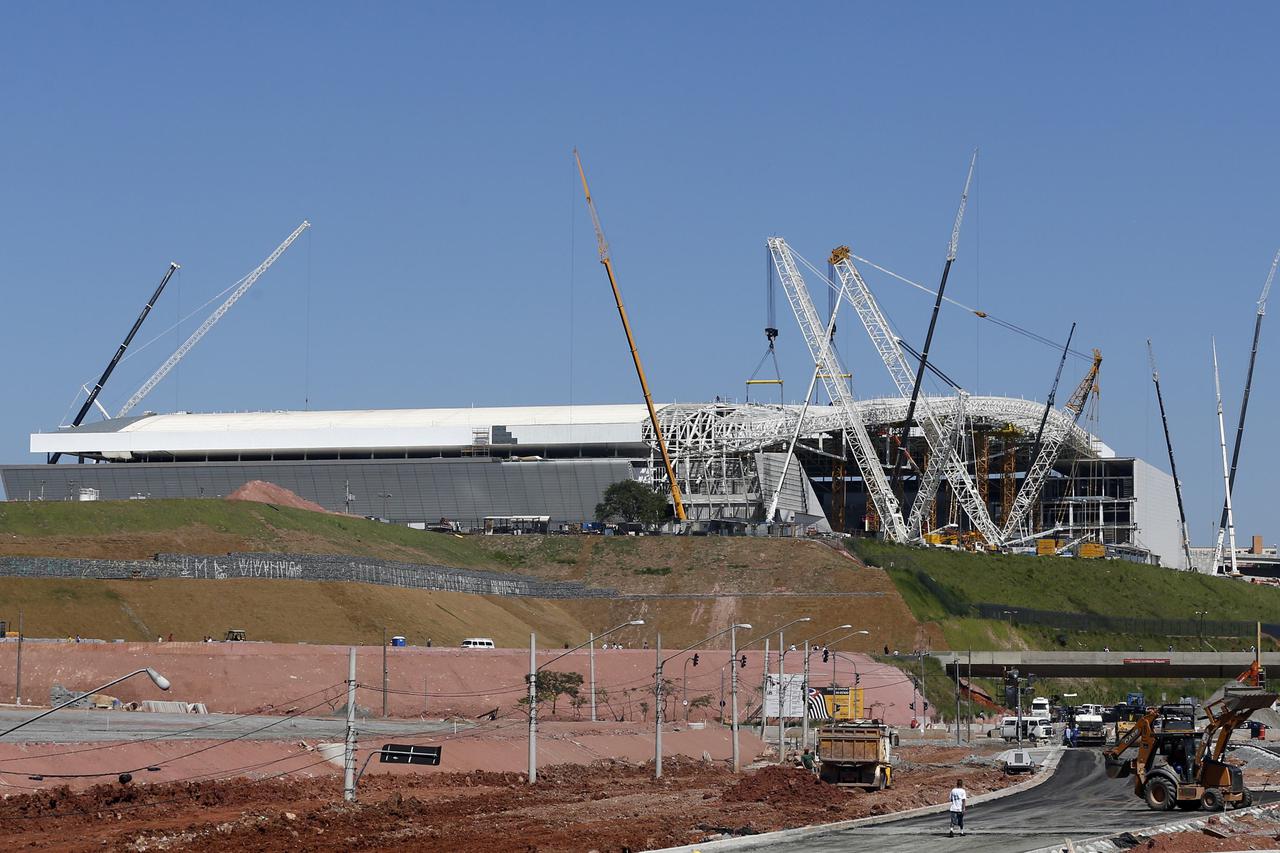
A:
(947, 469)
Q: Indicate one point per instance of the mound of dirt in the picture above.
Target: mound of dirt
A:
(260, 491)
(782, 786)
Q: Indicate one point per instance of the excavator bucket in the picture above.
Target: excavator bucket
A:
(1118, 768)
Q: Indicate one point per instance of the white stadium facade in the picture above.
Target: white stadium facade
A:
(478, 467)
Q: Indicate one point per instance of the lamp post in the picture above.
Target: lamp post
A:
(1200, 633)
(804, 683)
(781, 648)
(385, 496)
(534, 669)
(834, 655)
(156, 678)
(733, 663)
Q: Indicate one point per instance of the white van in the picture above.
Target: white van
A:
(1040, 708)
(1033, 729)
(478, 643)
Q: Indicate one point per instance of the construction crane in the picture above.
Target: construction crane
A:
(858, 439)
(952, 248)
(1244, 401)
(115, 360)
(889, 347)
(771, 335)
(676, 500)
(241, 290)
(1226, 475)
(1049, 445)
(1173, 466)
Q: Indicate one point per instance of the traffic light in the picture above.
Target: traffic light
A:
(695, 659)
(743, 662)
(857, 678)
(826, 655)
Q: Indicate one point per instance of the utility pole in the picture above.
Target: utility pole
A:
(657, 711)
(1017, 693)
(764, 689)
(384, 672)
(969, 724)
(533, 709)
(782, 703)
(956, 663)
(804, 689)
(349, 752)
(591, 653)
(17, 687)
(733, 696)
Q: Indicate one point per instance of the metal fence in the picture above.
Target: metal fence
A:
(1097, 623)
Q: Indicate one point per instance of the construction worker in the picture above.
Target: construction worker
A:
(959, 797)
(810, 761)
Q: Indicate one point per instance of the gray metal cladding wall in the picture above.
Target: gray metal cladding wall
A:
(417, 489)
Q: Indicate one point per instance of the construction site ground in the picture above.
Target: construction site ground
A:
(609, 806)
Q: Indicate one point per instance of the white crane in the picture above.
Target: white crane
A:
(942, 452)
(855, 428)
(1226, 474)
(245, 284)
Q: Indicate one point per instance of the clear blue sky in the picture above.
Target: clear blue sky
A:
(1127, 181)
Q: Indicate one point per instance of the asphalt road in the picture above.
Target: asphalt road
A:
(1078, 802)
(97, 726)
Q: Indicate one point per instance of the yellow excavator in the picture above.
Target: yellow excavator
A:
(1191, 774)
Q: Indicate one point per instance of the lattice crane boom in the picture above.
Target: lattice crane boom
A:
(241, 290)
(1054, 437)
(887, 345)
(855, 428)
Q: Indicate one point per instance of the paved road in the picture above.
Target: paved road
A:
(97, 726)
(1078, 802)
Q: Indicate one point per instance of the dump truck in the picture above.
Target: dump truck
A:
(856, 754)
(1190, 772)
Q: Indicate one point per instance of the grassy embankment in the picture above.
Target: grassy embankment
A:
(942, 586)
(764, 582)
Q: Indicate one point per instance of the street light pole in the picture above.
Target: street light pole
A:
(733, 694)
(349, 748)
(533, 688)
(732, 630)
(384, 672)
(657, 712)
(156, 678)
(782, 701)
(591, 653)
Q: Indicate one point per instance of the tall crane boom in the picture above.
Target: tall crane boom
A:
(115, 360)
(1173, 466)
(943, 453)
(1248, 386)
(1050, 446)
(952, 248)
(1226, 476)
(855, 428)
(603, 246)
(245, 284)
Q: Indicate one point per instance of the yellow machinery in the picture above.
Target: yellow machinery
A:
(856, 754)
(603, 245)
(1192, 773)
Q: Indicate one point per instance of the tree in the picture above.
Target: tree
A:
(644, 709)
(631, 500)
(552, 685)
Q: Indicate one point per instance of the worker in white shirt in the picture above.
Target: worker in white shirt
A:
(959, 796)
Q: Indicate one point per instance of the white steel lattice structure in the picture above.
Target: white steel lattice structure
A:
(942, 453)
(855, 430)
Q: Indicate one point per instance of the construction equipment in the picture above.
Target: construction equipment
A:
(856, 754)
(241, 289)
(941, 450)
(115, 360)
(952, 248)
(1226, 478)
(603, 246)
(1173, 466)
(1191, 774)
(1244, 407)
(1049, 445)
(855, 428)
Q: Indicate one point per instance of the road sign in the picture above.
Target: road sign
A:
(405, 753)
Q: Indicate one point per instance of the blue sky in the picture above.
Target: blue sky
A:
(1127, 180)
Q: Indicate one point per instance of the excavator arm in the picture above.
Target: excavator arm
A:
(1143, 736)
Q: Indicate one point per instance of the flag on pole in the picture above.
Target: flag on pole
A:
(816, 705)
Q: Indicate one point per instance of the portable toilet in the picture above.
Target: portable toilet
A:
(397, 641)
